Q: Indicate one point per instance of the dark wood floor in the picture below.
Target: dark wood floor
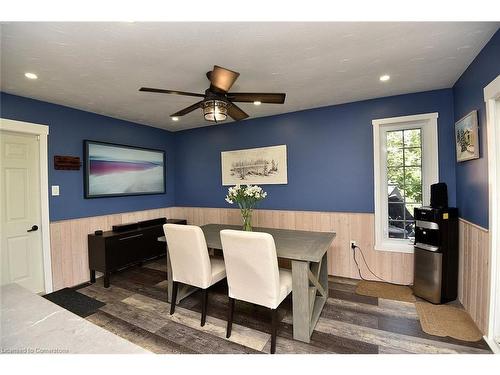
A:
(136, 309)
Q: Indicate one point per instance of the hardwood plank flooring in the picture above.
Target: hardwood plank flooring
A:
(136, 335)
(331, 343)
(377, 310)
(407, 343)
(110, 295)
(240, 334)
(158, 264)
(136, 309)
(351, 296)
(397, 319)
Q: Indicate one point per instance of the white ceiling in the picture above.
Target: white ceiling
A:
(99, 67)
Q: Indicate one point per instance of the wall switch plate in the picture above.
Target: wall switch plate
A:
(55, 190)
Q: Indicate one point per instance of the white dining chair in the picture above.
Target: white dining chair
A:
(253, 274)
(191, 263)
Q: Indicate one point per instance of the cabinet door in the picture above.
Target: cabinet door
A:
(124, 250)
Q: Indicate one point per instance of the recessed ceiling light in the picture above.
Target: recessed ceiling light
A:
(257, 102)
(30, 75)
(175, 118)
(385, 77)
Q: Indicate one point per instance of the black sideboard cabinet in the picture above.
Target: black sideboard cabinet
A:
(112, 250)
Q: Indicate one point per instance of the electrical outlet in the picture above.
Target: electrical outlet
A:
(352, 243)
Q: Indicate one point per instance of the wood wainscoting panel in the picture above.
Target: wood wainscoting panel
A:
(474, 272)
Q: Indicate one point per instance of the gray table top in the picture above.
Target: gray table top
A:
(290, 244)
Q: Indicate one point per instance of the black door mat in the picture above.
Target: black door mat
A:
(75, 302)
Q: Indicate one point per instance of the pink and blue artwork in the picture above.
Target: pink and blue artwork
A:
(113, 170)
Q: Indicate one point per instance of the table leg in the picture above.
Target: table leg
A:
(319, 278)
(323, 273)
(300, 299)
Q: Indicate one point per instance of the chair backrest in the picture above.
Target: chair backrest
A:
(251, 266)
(188, 252)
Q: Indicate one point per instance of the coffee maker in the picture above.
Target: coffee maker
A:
(436, 249)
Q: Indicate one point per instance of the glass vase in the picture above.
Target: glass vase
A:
(246, 214)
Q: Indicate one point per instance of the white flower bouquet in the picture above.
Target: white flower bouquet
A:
(246, 196)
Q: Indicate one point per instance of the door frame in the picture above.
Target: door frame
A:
(42, 131)
(491, 96)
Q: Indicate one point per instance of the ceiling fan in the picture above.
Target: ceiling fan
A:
(217, 102)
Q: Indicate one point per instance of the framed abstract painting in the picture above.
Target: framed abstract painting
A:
(118, 170)
(466, 137)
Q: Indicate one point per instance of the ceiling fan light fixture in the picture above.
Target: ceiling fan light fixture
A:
(215, 110)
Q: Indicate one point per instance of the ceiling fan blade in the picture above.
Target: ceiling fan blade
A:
(186, 110)
(222, 78)
(250, 97)
(175, 92)
(236, 112)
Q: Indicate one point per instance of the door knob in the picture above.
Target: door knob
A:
(34, 228)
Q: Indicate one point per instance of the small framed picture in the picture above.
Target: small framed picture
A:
(466, 137)
(263, 165)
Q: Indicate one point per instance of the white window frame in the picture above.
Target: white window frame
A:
(430, 171)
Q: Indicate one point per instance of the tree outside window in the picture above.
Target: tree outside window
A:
(404, 180)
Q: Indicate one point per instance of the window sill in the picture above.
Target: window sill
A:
(395, 247)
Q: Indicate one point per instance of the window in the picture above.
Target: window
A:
(406, 164)
(404, 180)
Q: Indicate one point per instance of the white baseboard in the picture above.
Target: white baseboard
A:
(492, 344)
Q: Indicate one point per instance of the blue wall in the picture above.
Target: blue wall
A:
(330, 153)
(67, 129)
(472, 176)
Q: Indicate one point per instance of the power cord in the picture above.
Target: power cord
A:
(354, 247)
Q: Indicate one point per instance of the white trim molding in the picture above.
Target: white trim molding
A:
(492, 344)
(42, 131)
(492, 103)
(406, 119)
(430, 165)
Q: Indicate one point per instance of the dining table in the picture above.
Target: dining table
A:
(307, 252)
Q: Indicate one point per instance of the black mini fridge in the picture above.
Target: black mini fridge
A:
(436, 254)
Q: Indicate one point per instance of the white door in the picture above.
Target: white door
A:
(20, 234)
